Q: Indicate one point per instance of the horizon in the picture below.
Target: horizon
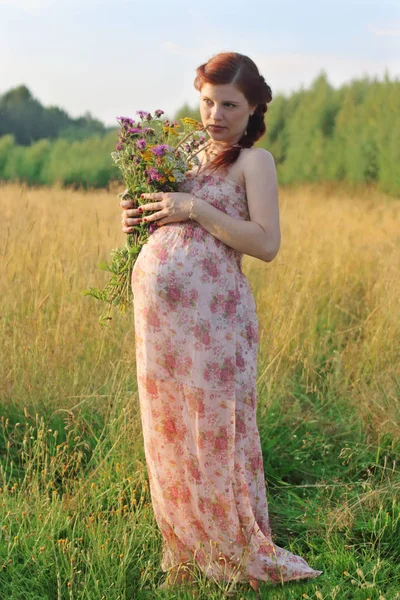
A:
(112, 67)
(111, 125)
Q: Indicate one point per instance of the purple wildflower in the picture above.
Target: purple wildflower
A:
(141, 144)
(119, 146)
(152, 227)
(149, 131)
(160, 150)
(158, 113)
(141, 113)
(154, 174)
(134, 130)
(149, 117)
(126, 120)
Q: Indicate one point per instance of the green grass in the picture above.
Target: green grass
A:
(76, 517)
(76, 520)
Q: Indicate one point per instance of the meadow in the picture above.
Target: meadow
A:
(75, 512)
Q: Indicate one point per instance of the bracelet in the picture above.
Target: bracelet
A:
(191, 208)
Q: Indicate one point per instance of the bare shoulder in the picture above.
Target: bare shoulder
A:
(259, 173)
(255, 159)
(262, 194)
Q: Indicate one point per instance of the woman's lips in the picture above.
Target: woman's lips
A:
(216, 127)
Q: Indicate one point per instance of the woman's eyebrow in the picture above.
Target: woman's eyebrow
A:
(232, 101)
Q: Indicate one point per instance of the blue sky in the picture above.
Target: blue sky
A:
(118, 56)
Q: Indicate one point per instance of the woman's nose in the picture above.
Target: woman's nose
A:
(216, 112)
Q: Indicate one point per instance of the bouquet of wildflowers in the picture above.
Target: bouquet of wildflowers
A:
(153, 156)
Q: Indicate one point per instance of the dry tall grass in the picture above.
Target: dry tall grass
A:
(328, 305)
(75, 505)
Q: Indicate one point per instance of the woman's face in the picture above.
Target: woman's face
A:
(226, 106)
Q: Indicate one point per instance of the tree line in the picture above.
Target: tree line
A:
(350, 134)
(28, 120)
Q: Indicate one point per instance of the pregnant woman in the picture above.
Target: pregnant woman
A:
(196, 333)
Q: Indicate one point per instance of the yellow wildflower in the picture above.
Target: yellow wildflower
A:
(167, 129)
(147, 155)
(192, 122)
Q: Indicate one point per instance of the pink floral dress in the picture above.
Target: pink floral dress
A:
(196, 335)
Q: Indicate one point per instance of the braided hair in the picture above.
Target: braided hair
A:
(240, 70)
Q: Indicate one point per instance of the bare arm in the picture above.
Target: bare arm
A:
(259, 237)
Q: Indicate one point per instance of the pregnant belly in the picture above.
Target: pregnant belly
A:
(194, 311)
(185, 254)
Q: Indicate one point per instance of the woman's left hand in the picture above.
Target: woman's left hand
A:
(170, 207)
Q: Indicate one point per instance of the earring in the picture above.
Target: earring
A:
(250, 115)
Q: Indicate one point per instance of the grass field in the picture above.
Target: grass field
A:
(75, 512)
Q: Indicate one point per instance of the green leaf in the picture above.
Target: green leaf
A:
(104, 266)
(94, 292)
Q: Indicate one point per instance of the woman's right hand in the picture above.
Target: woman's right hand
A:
(130, 215)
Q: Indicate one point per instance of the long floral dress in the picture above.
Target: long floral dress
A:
(196, 336)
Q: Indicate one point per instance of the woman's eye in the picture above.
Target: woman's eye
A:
(208, 102)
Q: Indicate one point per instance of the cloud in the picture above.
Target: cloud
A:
(385, 31)
(32, 7)
(288, 72)
(174, 49)
(200, 52)
(284, 72)
(29, 5)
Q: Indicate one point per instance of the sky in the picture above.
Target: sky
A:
(115, 57)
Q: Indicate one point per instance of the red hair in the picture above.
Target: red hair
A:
(241, 71)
